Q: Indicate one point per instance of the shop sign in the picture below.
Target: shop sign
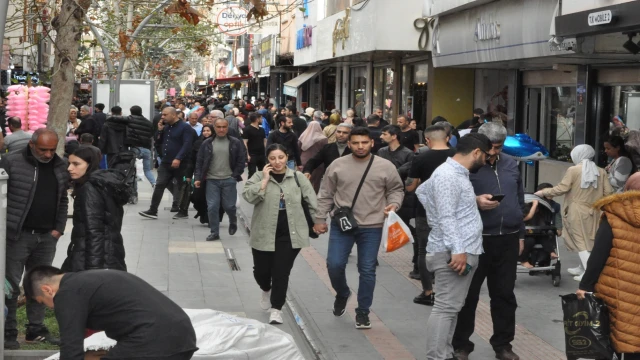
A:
(232, 21)
(487, 30)
(600, 18)
(21, 77)
(341, 30)
(303, 37)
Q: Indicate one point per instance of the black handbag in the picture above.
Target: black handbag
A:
(305, 209)
(343, 216)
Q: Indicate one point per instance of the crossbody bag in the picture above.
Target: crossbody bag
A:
(344, 214)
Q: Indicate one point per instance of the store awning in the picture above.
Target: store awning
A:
(291, 86)
(233, 80)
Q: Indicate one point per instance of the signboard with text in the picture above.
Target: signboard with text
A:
(232, 21)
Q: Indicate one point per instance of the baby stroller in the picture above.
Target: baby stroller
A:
(540, 240)
(125, 161)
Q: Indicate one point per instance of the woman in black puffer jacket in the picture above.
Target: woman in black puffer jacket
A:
(96, 241)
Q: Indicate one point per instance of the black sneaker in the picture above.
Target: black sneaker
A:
(233, 228)
(133, 200)
(174, 209)
(423, 299)
(180, 215)
(148, 214)
(213, 237)
(415, 275)
(362, 321)
(44, 337)
(340, 305)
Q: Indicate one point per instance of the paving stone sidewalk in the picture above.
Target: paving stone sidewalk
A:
(173, 256)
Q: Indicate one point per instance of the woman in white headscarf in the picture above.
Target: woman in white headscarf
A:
(582, 185)
(310, 142)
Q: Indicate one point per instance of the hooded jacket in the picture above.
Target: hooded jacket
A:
(22, 169)
(96, 239)
(619, 283)
(505, 179)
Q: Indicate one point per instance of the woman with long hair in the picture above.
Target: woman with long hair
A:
(198, 197)
(99, 196)
(311, 141)
(330, 130)
(279, 228)
(582, 185)
(621, 166)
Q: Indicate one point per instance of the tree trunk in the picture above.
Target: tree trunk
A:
(68, 25)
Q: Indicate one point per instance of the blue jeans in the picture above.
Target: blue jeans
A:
(291, 164)
(340, 244)
(224, 191)
(145, 155)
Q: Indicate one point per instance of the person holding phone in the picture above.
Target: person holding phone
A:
(500, 198)
(277, 193)
(455, 240)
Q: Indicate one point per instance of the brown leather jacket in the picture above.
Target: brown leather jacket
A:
(619, 282)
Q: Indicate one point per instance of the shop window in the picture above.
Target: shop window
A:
(625, 104)
(414, 93)
(358, 85)
(561, 115)
(383, 91)
(494, 93)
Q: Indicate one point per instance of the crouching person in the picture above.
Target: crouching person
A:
(145, 323)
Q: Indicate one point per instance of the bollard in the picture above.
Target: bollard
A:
(4, 177)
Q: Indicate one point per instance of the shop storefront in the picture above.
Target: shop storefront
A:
(610, 28)
(507, 43)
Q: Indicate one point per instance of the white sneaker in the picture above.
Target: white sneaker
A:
(576, 271)
(265, 300)
(276, 316)
(578, 278)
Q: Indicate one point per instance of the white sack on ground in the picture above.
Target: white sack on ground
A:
(222, 336)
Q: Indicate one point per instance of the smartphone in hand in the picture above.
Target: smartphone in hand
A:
(467, 269)
(497, 197)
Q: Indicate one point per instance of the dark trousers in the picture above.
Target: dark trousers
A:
(258, 161)
(422, 238)
(498, 265)
(548, 245)
(166, 174)
(271, 269)
(28, 252)
(406, 214)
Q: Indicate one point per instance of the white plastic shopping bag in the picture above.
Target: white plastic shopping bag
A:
(395, 233)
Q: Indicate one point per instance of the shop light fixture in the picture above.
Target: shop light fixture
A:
(630, 45)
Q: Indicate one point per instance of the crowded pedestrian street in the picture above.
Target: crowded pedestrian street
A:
(174, 257)
(320, 179)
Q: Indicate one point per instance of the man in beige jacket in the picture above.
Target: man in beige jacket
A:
(381, 191)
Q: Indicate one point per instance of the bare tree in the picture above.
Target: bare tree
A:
(69, 26)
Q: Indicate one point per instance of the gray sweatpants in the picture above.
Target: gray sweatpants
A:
(450, 295)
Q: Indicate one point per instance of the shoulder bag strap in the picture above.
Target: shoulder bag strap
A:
(362, 181)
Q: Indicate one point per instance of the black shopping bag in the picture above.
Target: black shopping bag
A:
(586, 328)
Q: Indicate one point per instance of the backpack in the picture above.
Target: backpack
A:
(266, 127)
